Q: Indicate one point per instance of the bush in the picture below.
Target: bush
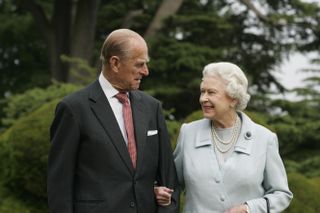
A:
(306, 193)
(173, 129)
(24, 151)
(20, 105)
(310, 167)
(11, 204)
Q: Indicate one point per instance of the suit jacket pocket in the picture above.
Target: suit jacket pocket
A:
(88, 206)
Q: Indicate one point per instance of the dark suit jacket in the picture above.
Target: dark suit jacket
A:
(89, 167)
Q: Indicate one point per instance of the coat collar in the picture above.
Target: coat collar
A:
(245, 140)
(204, 137)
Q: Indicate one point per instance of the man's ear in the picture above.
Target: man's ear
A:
(114, 63)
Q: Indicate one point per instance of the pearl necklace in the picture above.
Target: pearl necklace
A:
(218, 142)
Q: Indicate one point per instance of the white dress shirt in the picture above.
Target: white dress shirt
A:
(116, 106)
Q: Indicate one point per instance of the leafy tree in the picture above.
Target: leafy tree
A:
(22, 54)
(68, 28)
(207, 31)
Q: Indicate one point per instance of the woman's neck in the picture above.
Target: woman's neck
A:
(226, 121)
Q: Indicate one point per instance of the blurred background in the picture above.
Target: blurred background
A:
(50, 48)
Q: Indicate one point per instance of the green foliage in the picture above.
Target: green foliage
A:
(80, 71)
(194, 116)
(173, 128)
(298, 123)
(175, 72)
(25, 147)
(310, 167)
(10, 203)
(23, 58)
(17, 106)
(306, 194)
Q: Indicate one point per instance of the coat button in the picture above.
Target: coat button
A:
(222, 198)
(248, 135)
(132, 204)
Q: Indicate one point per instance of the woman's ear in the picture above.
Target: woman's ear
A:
(234, 103)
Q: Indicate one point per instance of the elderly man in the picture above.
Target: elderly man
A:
(109, 141)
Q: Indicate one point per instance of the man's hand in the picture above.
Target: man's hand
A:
(163, 195)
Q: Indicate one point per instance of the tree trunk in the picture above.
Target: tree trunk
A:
(59, 42)
(57, 31)
(167, 8)
(83, 31)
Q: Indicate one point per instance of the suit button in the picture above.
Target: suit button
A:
(132, 204)
(222, 198)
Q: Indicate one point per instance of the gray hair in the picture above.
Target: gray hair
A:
(118, 44)
(235, 79)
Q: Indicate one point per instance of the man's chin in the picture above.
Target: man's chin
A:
(135, 87)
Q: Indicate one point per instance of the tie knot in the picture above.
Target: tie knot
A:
(122, 97)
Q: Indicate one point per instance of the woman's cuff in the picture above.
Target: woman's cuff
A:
(247, 207)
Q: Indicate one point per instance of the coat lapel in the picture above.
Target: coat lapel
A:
(246, 135)
(140, 124)
(103, 111)
(204, 137)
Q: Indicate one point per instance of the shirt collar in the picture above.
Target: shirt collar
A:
(107, 88)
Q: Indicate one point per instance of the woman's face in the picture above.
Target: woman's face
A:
(214, 101)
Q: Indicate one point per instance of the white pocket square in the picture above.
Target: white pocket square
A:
(152, 132)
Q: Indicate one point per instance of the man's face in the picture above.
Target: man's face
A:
(132, 69)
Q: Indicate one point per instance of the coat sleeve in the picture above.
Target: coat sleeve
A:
(275, 182)
(64, 135)
(166, 169)
(178, 157)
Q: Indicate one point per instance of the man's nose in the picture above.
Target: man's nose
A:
(145, 70)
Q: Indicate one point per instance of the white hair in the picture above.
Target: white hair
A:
(235, 79)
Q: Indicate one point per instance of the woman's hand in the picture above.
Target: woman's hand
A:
(238, 209)
(163, 195)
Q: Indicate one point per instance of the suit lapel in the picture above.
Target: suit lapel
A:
(103, 111)
(140, 124)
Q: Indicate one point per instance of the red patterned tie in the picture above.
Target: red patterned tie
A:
(128, 122)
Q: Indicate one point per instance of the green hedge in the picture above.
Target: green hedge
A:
(23, 155)
(306, 194)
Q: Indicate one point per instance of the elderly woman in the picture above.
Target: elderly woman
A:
(226, 162)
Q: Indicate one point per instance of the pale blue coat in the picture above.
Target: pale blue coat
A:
(253, 171)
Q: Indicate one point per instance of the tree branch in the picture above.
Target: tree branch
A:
(253, 8)
(167, 8)
(40, 18)
(128, 20)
